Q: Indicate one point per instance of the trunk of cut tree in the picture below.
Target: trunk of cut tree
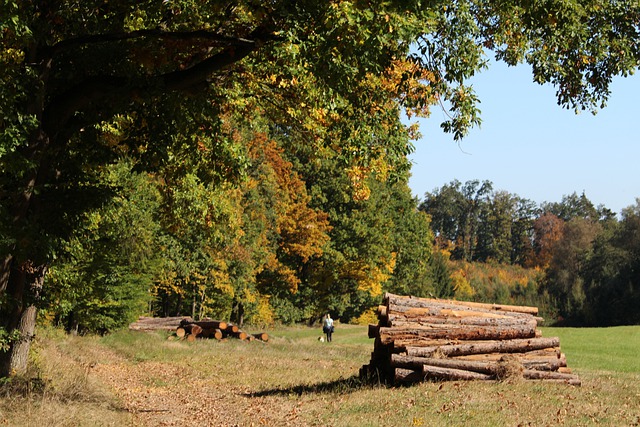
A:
(408, 336)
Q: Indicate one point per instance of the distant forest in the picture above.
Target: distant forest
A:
(582, 261)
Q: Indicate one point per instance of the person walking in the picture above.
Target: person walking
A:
(327, 326)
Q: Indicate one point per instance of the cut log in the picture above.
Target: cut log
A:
(483, 347)
(180, 332)
(418, 339)
(416, 302)
(506, 321)
(262, 336)
(410, 336)
(495, 367)
(231, 329)
(157, 323)
(557, 376)
(422, 308)
(449, 374)
(408, 376)
(210, 324)
(241, 335)
(552, 354)
(192, 329)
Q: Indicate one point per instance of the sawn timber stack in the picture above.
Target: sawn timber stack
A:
(421, 339)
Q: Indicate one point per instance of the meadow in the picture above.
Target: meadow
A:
(145, 379)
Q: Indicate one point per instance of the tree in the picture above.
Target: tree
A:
(573, 206)
(412, 244)
(105, 274)
(611, 279)
(455, 214)
(547, 232)
(69, 70)
(566, 271)
(522, 233)
(291, 233)
(495, 228)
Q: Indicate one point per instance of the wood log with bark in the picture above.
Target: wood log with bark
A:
(413, 334)
(462, 348)
(262, 336)
(411, 301)
(157, 323)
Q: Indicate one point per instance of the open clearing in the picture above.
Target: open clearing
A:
(144, 379)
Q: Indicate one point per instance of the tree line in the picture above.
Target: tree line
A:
(588, 257)
(246, 158)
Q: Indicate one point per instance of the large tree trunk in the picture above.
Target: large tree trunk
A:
(22, 292)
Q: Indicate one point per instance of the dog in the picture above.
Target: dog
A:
(321, 339)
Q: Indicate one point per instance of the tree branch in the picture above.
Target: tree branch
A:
(95, 90)
(159, 34)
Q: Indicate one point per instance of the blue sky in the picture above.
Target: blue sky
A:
(529, 146)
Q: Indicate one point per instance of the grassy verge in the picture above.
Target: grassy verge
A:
(297, 380)
(600, 349)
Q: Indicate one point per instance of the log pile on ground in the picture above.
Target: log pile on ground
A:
(158, 323)
(191, 330)
(188, 329)
(421, 339)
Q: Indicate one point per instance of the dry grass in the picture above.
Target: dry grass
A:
(58, 390)
(144, 379)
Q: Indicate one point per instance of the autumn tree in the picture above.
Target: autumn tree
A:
(292, 232)
(69, 70)
(548, 230)
(565, 274)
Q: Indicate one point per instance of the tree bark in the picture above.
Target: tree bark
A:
(480, 347)
(425, 302)
(262, 336)
(439, 373)
(399, 321)
(448, 311)
(24, 287)
(489, 367)
(212, 324)
(554, 376)
(157, 323)
(408, 376)
(412, 336)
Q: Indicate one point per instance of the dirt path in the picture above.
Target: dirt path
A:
(162, 394)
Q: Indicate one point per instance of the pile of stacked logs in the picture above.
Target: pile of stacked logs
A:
(188, 329)
(421, 339)
(191, 330)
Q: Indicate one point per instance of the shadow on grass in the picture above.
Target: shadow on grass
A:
(340, 386)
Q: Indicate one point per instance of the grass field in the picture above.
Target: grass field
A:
(144, 379)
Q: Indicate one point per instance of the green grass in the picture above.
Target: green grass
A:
(294, 379)
(615, 349)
